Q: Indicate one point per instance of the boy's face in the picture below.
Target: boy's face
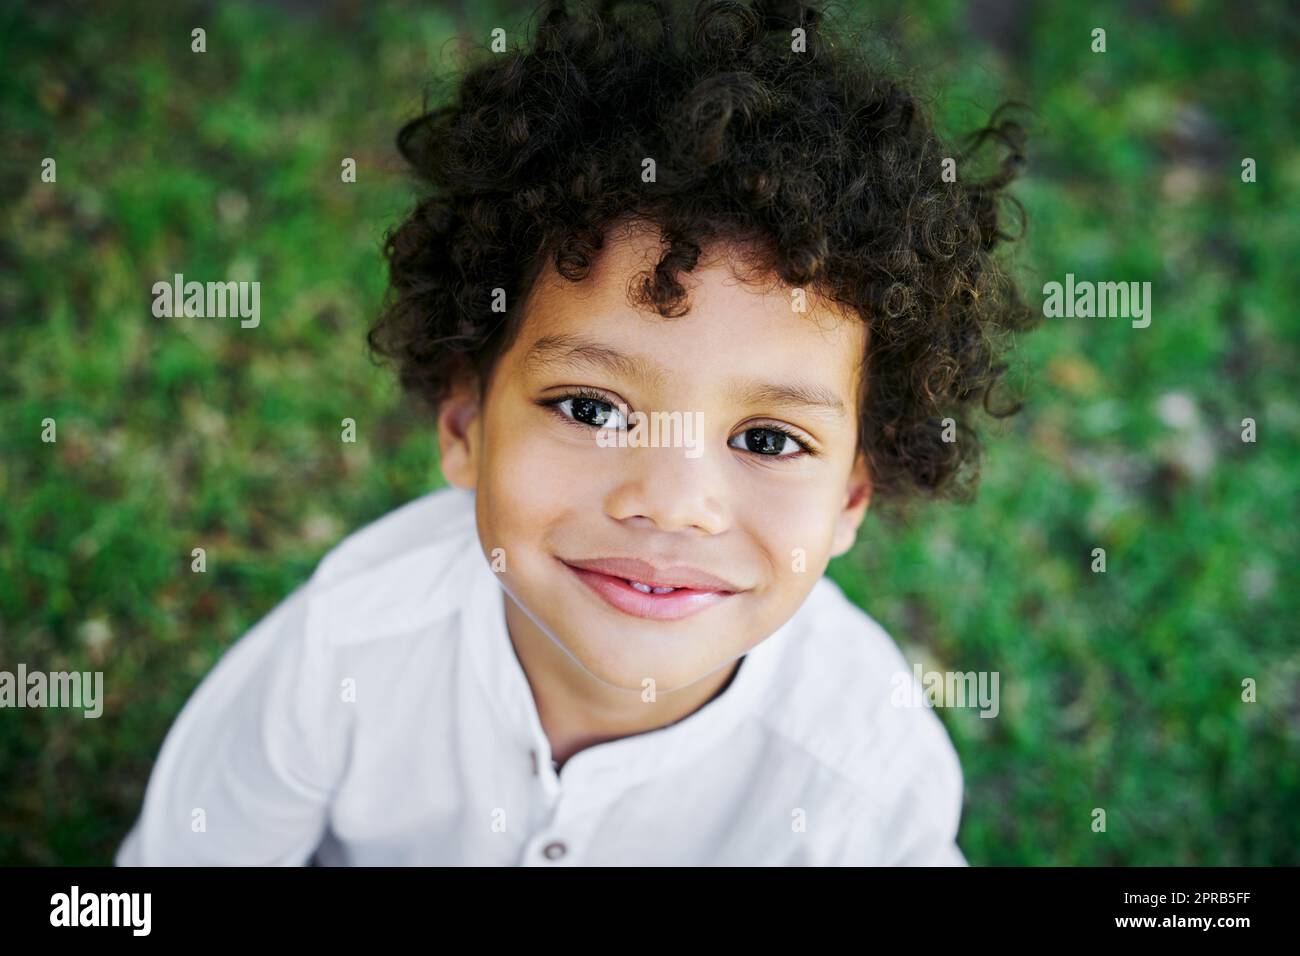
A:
(735, 499)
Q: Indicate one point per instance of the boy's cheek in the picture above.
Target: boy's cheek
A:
(557, 476)
(532, 496)
(796, 531)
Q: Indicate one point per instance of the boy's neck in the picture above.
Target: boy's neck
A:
(577, 711)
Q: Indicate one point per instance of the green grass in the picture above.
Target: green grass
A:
(1119, 690)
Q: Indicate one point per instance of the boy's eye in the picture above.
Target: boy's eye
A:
(769, 442)
(591, 411)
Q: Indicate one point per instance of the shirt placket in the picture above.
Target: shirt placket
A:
(577, 797)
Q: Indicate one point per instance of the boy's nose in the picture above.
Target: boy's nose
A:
(663, 488)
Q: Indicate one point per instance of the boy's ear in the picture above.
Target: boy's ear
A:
(857, 496)
(460, 434)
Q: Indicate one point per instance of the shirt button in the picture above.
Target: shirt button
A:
(553, 851)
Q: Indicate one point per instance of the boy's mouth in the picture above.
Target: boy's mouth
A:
(637, 588)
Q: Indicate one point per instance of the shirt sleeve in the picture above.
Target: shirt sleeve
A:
(246, 772)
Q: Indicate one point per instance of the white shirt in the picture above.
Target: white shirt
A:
(379, 716)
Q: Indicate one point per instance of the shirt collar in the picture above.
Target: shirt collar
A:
(614, 764)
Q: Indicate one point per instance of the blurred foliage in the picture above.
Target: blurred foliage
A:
(1119, 690)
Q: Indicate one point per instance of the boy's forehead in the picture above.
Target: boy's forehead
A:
(736, 326)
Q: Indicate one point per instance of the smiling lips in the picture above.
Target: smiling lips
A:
(637, 588)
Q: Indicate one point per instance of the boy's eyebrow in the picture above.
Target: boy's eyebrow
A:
(807, 396)
(564, 349)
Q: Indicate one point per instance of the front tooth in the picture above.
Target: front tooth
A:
(647, 589)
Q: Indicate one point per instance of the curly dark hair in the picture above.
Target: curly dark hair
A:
(827, 165)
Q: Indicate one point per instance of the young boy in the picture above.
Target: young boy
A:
(686, 292)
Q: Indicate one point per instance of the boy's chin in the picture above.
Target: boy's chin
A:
(632, 661)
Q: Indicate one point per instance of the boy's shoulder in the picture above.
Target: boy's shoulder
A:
(442, 516)
(402, 570)
(846, 698)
